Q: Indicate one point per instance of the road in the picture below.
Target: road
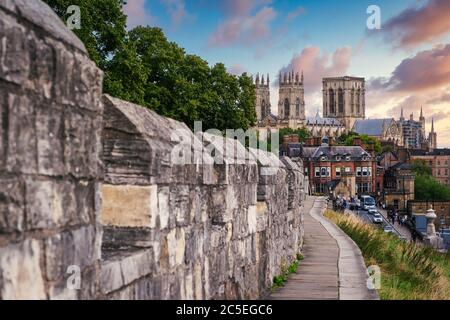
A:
(398, 230)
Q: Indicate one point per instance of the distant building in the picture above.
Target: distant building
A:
(399, 186)
(291, 108)
(344, 99)
(332, 167)
(438, 160)
(384, 130)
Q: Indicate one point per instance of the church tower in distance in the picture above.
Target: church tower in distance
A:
(291, 103)
(344, 99)
(263, 108)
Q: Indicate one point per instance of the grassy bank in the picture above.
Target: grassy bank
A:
(408, 271)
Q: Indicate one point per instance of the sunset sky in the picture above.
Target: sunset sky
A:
(406, 63)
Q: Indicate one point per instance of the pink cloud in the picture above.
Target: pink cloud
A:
(427, 70)
(243, 29)
(137, 14)
(237, 69)
(240, 8)
(317, 65)
(416, 25)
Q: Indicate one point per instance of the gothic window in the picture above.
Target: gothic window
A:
(352, 100)
(341, 100)
(297, 108)
(332, 102)
(263, 109)
(358, 101)
(286, 109)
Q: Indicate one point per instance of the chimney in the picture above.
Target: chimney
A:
(371, 148)
(357, 142)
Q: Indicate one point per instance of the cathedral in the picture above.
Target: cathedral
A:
(344, 110)
(340, 111)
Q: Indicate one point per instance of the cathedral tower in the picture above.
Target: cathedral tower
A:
(344, 99)
(291, 103)
(263, 108)
(432, 138)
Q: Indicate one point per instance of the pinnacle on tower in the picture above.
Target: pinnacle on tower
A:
(297, 78)
(290, 78)
(302, 77)
(280, 79)
(262, 80)
(268, 81)
(421, 112)
(257, 78)
(432, 125)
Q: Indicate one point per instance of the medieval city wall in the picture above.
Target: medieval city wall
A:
(101, 198)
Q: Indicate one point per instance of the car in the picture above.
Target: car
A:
(388, 229)
(377, 218)
(373, 211)
(367, 203)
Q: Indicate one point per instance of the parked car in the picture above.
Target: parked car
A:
(388, 229)
(377, 218)
(367, 203)
(372, 211)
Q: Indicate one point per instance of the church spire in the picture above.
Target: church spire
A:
(421, 112)
(432, 125)
(268, 81)
(302, 77)
(402, 118)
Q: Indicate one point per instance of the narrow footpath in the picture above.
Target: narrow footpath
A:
(333, 267)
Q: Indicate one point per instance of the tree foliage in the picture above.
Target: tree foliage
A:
(427, 188)
(421, 167)
(144, 67)
(347, 140)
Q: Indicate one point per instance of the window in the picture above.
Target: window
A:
(347, 169)
(323, 158)
(306, 170)
(286, 109)
(341, 100)
(297, 108)
(338, 172)
(332, 102)
(317, 172)
(370, 171)
(323, 172)
(358, 171)
(439, 163)
(365, 172)
(347, 158)
(263, 109)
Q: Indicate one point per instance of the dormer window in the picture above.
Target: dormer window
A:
(323, 158)
(347, 158)
(338, 158)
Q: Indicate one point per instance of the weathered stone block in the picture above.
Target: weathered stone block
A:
(72, 248)
(12, 205)
(20, 271)
(49, 134)
(129, 206)
(42, 66)
(14, 57)
(50, 204)
(21, 136)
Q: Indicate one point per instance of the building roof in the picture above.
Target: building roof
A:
(317, 119)
(435, 152)
(371, 127)
(354, 152)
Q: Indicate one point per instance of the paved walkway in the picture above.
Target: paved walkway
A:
(333, 267)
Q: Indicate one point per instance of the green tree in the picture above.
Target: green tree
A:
(143, 67)
(103, 25)
(421, 167)
(366, 140)
(427, 188)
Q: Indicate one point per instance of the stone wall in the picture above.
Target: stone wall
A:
(104, 199)
(196, 220)
(50, 115)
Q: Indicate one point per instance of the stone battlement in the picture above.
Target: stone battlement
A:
(101, 198)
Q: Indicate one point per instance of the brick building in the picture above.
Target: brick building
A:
(330, 167)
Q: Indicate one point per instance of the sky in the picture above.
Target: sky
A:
(406, 63)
